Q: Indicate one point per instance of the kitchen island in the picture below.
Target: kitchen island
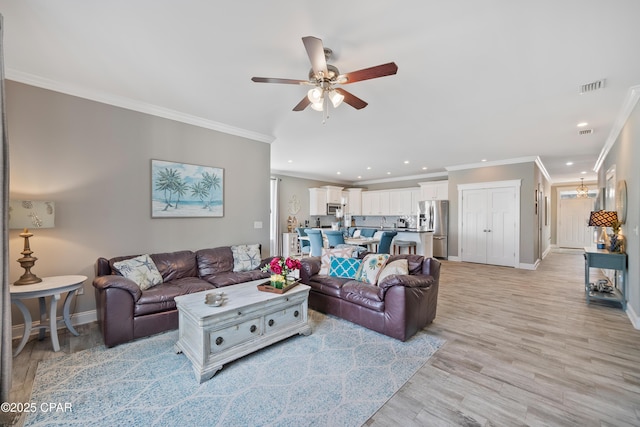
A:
(423, 239)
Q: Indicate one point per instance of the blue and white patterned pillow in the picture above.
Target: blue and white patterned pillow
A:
(344, 267)
(371, 267)
(141, 270)
(246, 257)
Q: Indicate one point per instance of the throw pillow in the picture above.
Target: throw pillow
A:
(246, 257)
(325, 260)
(399, 266)
(344, 267)
(371, 267)
(141, 270)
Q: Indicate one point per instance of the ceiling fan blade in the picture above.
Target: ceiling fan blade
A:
(275, 80)
(315, 50)
(369, 73)
(351, 99)
(302, 104)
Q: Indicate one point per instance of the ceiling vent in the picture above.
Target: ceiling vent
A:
(590, 87)
(585, 132)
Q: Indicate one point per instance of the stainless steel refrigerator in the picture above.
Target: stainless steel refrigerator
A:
(433, 215)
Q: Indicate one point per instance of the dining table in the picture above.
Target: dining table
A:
(367, 242)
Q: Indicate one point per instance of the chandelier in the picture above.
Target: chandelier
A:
(582, 191)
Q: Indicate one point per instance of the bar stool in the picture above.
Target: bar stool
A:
(399, 244)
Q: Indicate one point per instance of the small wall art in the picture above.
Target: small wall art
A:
(185, 190)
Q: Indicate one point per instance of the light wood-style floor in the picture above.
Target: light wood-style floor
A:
(523, 348)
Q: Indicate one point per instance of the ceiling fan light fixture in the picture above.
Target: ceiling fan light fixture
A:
(318, 106)
(315, 95)
(336, 98)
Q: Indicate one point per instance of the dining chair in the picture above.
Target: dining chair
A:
(334, 238)
(305, 245)
(315, 238)
(367, 232)
(384, 247)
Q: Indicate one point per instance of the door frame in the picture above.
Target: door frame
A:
(515, 184)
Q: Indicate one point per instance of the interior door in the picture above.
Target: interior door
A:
(501, 226)
(489, 226)
(474, 226)
(573, 217)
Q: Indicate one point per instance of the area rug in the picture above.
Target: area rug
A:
(340, 375)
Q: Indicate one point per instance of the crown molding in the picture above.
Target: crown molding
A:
(633, 95)
(131, 104)
(530, 159)
(403, 178)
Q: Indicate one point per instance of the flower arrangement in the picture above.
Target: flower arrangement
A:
(281, 270)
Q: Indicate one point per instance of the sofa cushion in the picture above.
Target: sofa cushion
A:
(141, 269)
(246, 257)
(363, 294)
(415, 262)
(325, 258)
(231, 278)
(214, 260)
(399, 266)
(344, 267)
(176, 265)
(161, 297)
(371, 267)
(327, 285)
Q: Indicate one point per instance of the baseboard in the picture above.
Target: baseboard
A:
(454, 258)
(76, 319)
(524, 266)
(633, 316)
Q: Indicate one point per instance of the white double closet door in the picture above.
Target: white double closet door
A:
(490, 225)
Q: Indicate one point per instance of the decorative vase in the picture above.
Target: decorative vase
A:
(616, 244)
(277, 281)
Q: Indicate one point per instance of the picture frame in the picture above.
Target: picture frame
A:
(181, 190)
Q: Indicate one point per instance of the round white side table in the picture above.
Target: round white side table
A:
(49, 287)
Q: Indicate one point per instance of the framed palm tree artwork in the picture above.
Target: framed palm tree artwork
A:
(184, 190)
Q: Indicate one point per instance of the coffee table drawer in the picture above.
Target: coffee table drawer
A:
(285, 317)
(223, 339)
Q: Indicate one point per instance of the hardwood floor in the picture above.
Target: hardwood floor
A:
(523, 348)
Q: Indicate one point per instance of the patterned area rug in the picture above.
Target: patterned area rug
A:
(340, 375)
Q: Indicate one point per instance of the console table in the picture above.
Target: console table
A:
(49, 287)
(602, 258)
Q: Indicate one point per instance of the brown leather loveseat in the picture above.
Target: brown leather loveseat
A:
(125, 312)
(398, 306)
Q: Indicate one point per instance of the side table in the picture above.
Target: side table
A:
(49, 287)
(602, 258)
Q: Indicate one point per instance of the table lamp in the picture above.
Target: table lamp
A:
(25, 214)
(602, 219)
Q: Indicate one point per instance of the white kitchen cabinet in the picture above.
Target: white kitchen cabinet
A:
(416, 196)
(354, 201)
(334, 194)
(435, 190)
(400, 202)
(375, 203)
(317, 201)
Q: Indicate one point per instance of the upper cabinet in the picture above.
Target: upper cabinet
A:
(353, 197)
(435, 190)
(400, 202)
(375, 203)
(319, 197)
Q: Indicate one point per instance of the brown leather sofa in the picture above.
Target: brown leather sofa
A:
(126, 313)
(399, 306)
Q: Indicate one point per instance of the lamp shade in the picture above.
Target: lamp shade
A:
(602, 218)
(31, 214)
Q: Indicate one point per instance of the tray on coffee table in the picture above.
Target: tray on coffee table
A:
(266, 287)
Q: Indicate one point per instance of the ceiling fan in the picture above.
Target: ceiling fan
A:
(324, 78)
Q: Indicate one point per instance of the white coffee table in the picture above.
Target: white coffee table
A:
(248, 321)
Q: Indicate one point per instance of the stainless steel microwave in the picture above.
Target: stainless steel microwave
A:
(332, 208)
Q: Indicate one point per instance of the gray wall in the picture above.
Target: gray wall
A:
(94, 161)
(625, 156)
(528, 219)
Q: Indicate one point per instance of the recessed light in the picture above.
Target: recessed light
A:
(582, 124)
(569, 163)
(424, 168)
(359, 176)
(583, 172)
(368, 168)
(338, 173)
(290, 161)
(406, 162)
(388, 173)
(483, 160)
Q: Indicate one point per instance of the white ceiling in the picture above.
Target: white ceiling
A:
(495, 80)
